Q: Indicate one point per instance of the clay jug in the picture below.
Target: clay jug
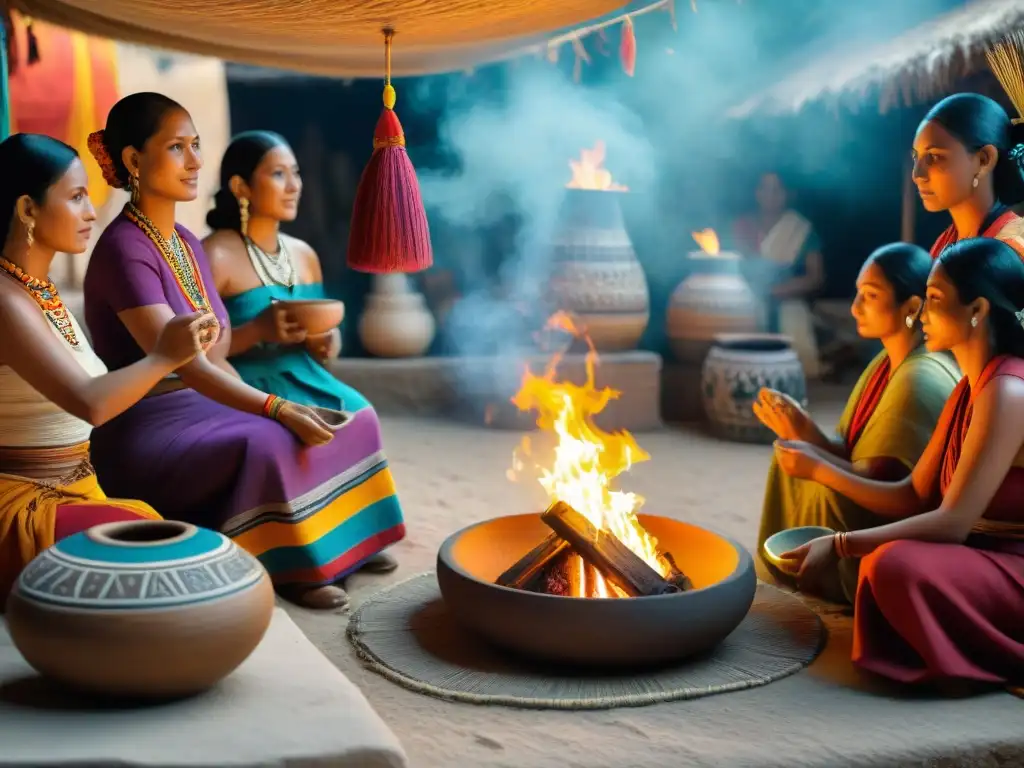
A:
(596, 275)
(144, 609)
(396, 321)
(735, 370)
(713, 299)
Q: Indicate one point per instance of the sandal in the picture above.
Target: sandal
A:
(379, 563)
(325, 598)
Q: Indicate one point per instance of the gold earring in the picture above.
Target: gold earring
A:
(30, 236)
(975, 182)
(133, 184)
(243, 215)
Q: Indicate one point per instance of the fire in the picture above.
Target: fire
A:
(587, 459)
(588, 173)
(708, 241)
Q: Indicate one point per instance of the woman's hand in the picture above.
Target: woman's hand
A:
(809, 562)
(783, 415)
(277, 325)
(325, 346)
(185, 336)
(305, 424)
(797, 459)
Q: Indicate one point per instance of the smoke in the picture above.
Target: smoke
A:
(508, 131)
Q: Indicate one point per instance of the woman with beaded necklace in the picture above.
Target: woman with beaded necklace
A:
(255, 266)
(53, 388)
(204, 446)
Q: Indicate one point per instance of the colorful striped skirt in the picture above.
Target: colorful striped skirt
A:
(311, 515)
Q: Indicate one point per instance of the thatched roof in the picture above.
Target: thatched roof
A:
(917, 66)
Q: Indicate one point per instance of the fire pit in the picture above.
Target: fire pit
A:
(590, 581)
(606, 631)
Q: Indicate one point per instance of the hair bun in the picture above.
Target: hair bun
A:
(98, 149)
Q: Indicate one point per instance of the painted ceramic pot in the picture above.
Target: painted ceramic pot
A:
(597, 276)
(735, 369)
(142, 609)
(712, 300)
(396, 321)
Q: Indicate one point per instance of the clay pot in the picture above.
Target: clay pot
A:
(597, 276)
(735, 369)
(396, 321)
(714, 299)
(316, 316)
(143, 609)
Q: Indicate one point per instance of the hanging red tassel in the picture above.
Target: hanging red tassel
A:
(389, 231)
(627, 47)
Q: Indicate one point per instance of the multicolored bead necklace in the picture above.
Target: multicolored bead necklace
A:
(179, 257)
(45, 294)
(271, 268)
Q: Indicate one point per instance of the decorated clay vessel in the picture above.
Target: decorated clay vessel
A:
(713, 299)
(396, 321)
(143, 609)
(597, 276)
(735, 370)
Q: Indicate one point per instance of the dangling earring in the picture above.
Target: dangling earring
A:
(974, 322)
(243, 215)
(975, 182)
(133, 184)
(30, 235)
(910, 321)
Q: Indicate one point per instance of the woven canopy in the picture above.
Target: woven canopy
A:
(340, 38)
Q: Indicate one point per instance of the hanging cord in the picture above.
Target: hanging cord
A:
(389, 92)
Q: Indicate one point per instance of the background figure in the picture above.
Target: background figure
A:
(785, 255)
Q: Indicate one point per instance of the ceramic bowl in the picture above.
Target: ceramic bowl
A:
(317, 316)
(785, 541)
(335, 419)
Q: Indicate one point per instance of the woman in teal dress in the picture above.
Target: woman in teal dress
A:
(256, 266)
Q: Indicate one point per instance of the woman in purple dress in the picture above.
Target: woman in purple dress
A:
(312, 504)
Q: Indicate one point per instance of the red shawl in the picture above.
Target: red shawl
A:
(951, 236)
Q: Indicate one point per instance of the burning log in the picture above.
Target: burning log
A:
(530, 565)
(616, 562)
(676, 576)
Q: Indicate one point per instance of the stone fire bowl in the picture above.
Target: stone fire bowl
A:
(596, 632)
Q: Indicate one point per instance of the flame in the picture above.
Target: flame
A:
(588, 173)
(587, 459)
(708, 241)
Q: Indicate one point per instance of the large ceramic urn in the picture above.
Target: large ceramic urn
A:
(596, 276)
(396, 321)
(713, 299)
(735, 369)
(144, 609)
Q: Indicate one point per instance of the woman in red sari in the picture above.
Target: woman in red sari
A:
(968, 160)
(941, 590)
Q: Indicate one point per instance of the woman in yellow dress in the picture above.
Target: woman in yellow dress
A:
(53, 388)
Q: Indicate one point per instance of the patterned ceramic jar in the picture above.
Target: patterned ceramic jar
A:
(151, 609)
(735, 370)
(597, 276)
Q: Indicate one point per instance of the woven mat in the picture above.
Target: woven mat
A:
(406, 634)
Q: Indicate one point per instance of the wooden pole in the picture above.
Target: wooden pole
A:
(5, 91)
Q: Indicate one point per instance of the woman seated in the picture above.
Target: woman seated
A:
(967, 160)
(788, 260)
(941, 590)
(204, 446)
(888, 419)
(255, 267)
(53, 388)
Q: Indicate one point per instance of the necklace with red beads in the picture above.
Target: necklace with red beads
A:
(45, 294)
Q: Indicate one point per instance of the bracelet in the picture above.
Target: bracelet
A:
(840, 545)
(272, 406)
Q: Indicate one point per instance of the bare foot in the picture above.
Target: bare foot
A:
(324, 598)
(380, 563)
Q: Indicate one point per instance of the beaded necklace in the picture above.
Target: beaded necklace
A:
(45, 294)
(271, 268)
(179, 257)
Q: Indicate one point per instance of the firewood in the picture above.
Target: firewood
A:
(603, 550)
(529, 566)
(676, 575)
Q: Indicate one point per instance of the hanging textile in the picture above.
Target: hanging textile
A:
(340, 39)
